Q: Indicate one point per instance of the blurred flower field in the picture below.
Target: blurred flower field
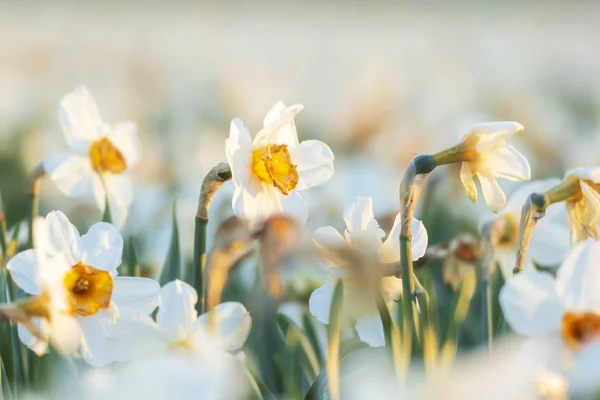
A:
(299, 200)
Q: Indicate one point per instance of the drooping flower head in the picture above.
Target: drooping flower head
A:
(490, 157)
(583, 206)
(98, 153)
(363, 262)
(537, 305)
(269, 172)
(179, 329)
(78, 275)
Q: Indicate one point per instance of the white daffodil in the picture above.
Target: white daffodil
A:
(179, 329)
(269, 172)
(583, 208)
(489, 157)
(364, 237)
(549, 240)
(568, 307)
(100, 155)
(78, 273)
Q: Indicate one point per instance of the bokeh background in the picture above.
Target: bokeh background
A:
(380, 82)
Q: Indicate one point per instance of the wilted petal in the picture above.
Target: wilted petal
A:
(314, 160)
(492, 192)
(80, 118)
(232, 325)
(320, 300)
(71, 172)
(530, 303)
(135, 295)
(176, 312)
(578, 278)
(124, 136)
(25, 271)
(370, 330)
(466, 177)
(102, 247)
(508, 163)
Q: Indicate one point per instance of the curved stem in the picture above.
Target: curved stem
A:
(34, 198)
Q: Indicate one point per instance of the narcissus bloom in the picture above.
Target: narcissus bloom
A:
(537, 305)
(98, 152)
(178, 329)
(269, 172)
(78, 275)
(489, 157)
(583, 207)
(362, 261)
(549, 240)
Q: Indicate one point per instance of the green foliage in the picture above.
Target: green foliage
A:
(172, 267)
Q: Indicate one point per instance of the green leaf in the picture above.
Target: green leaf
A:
(259, 388)
(172, 268)
(133, 268)
(3, 229)
(107, 216)
(386, 321)
(334, 334)
(311, 334)
(290, 328)
(5, 392)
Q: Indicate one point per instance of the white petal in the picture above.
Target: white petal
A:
(38, 346)
(60, 237)
(466, 177)
(320, 300)
(25, 271)
(257, 206)
(293, 205)
(389, 252)
(588, 174)
(315, 163)
(507, 259)
(530, 303)
(279, 127)
(578, 278)
(71, 172)
(494, 133)
(508, 163)
(66, 334)
(583, 380)
(120, 196)
(102, 247)
(370, 330)
(391, 289)
(549, 243)
(135, 339)
(492, 192)
(124, 136)
(94, 330)
(232, 325)
(135, 295)
(176, 313)
(359, 217)
(329, 242)
(80, 118)
(238, 150)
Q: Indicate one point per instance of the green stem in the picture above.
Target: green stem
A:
(199, 267)
(34, 202)
(409, 305)
(3, 230)
(334, 333)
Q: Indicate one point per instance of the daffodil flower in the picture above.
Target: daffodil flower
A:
(179, 329)
(489, 157)
(537, 305)
(583, 208)
(269, 172)
(100, 155)
(364, 237)
(549, 240)
(78, 274)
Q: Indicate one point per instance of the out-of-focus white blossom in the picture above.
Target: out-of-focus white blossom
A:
(363, 237)
(491, 158)
(78, 273)
(269, 172)
(95, 148)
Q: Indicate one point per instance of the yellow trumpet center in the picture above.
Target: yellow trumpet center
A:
(106, 157)
(580, 328)
(88, 289)
(272, 164)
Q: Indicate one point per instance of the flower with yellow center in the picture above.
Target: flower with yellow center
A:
(269, 172)
(362, 260)
(568, 307)
(100, 155)
(178, 328)
(487, 156)
(85, 295)
(549, 240)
